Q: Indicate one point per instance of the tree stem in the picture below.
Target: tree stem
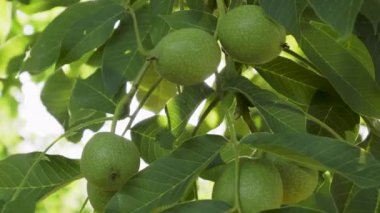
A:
(234, 141)
(127, 98)
(205, 113)
(141, 104)
(83, 205)
(244, 112)
(195, 188)
(323, 125)
(221, 10)
(140, 46)
(248, 120)
(286, 49)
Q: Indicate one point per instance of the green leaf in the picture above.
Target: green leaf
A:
(95, 60)
(373, 45)
(166, 139)
(352, 162)
(196, 4)
(191, 19)
(209, 206)
(25, 205)
(180, 108)
(292, 209)
(370, 9)
(292, 80)
(35, 6)
(341, 190)
(78, 116)
(121, 59)
(159, 26)
(165, 180)
(144, 135)
(286, 12)
(281, 116)
(346, 64)
(373, 125)
(336, 114)
(367, 35)
(42, 175)
(46, 50)
(91, 94)
(364, 200)
(56, 96)
(121, 2)
(340, 14)
(350, 198)
(321, 199)
(89, 33)
(373, 141)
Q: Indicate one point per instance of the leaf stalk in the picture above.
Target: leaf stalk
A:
(234, 141)
(141, 104)
(127, 98)
(140, 46)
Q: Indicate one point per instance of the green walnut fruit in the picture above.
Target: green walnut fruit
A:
(249, 36)
(109, 160)
(298, 182)
(187, 56)
(260, 186)
(98, 197)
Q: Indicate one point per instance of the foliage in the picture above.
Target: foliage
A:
(306, 106)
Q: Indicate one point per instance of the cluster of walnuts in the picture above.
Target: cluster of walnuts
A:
(107, 162)
(186, 57)
(190, 55)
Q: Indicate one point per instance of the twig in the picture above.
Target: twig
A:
(127, 98)
(83, 205)
(141, 104)
(204, 114)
